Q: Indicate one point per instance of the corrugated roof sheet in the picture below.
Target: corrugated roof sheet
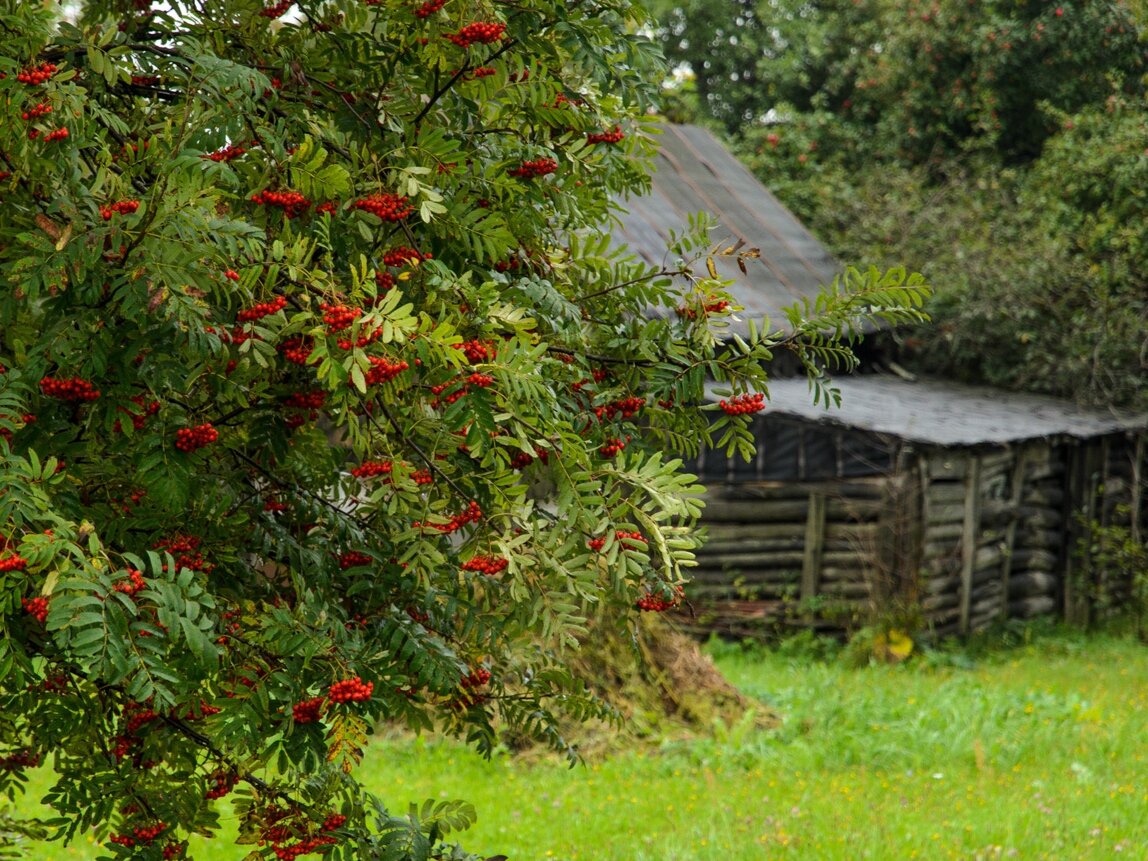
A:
(947, 414)
(693, 173)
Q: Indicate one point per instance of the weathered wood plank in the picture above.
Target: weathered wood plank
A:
(864, 488)
(785, 510)
(814, 546)
(972, 523)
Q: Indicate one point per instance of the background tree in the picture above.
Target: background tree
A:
(325, 399)
(991, 146)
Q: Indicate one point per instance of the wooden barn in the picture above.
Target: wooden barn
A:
(964, 503)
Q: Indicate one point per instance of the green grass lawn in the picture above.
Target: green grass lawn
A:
(1035, 752)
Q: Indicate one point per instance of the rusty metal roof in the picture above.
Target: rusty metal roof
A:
(943, 413)
(694, 172)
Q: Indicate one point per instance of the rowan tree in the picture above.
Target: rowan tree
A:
(327, 400)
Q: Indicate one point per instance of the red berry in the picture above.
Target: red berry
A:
(307, 711)
(388, 207)
(533, 169)
(478, 33)
(351, 690)
(488, 565)
(190, 439)
(37, 608)
(261, 310)
(35, 75)
(610, 137)
(73, 389)
(743, 404)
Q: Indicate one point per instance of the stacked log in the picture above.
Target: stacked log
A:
(1035, 571)
(772, 544)
(991, 520)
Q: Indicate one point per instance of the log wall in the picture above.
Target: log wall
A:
(969, 536)
(783, 552)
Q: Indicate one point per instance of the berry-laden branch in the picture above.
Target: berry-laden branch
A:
(489, 597)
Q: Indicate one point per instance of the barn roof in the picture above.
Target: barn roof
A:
(694, 172)
(947, 414)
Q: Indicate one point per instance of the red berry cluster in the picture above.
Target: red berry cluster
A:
(483, 72)
(275, 506)
(20, 759)
(472, 514)
(404, 256)
(141, 835)
(354, 559)
(477, 352)
(388, 207)
(335, 820)
(384, 280)
(223, 781)
(308, 711)
(659, 603)
(227, 153)
(145, 80)
(458, 388)
(742, 404)
(123, 207)
(276, 11)
(297, 350)
(351, 691)
(231, 275)
(139, 420)
(429, 8)
(488, 565)
(371, 468)
(13, 563)
(74, 389)
(478, 33)
(537, 167)
(137, 716)
(37, 608)
(521, 459)
(476, 678)
(190, 439)
(627, 407)
(363, 340)
(292, 203)
(339, 317)
(36, 111)
(36, 75)
(55, 135)
(383, 370)
(261, 310)
(613, 446)
(304, 847)
(185, 549)
(327, 207)
(621, 535)
(610, 137)
(135, 583)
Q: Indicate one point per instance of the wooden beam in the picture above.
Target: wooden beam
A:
(1137, 485)
(969, 533)
(1016, 494)
(814, 541)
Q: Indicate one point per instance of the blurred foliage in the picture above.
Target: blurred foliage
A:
(997, 148)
